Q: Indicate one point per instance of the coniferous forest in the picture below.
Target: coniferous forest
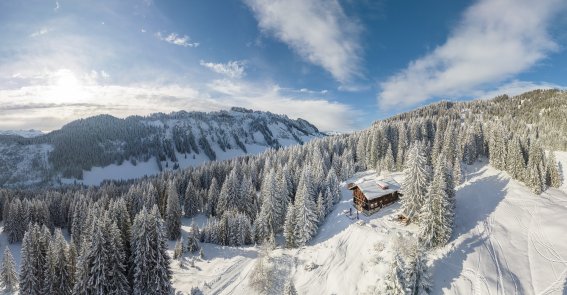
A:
(113, 239)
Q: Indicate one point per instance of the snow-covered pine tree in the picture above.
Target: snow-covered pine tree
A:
(534, 177)
(393, 283)
(333, 185)
(289, 227)
(289, 288)
(173, 213)
(320, 209)
(178, 250)
(457, 171)
(229, 198)
(249, 204)
(515, 164)
(267, 221)
(190, 206)
(150, 262)
(57, 277)
(193, 239)
(422, 283)
(33, 262)
(8, 274)
(305, 210)
(389, 162)
(103, 262)
(416, 180)
(553, 176)
(436, 215)
(213, 196)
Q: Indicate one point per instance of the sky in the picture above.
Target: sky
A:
(341, 64)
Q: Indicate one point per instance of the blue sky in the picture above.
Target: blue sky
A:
(338, 64)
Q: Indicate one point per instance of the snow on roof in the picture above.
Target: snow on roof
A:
(373, 188)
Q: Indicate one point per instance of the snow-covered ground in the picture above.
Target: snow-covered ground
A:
(506, 241)
(127, 170)
(343, 252)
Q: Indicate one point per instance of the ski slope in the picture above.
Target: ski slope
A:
(507, 240)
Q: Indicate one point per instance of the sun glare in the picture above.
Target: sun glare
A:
(66, 87)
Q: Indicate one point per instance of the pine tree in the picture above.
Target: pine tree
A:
(289, 227)
(34, 251)
(173, 213)
(229, 198)
(57, 277)
(535, 172)
(389, 163)
(150, 262)
(190, 205)
(214, 192)
(8, 274)
(422, 283)
(457, 172)
(436, 215)
(102, 262)
(268, 220)
(178, 251)
(305, 210)
(416, 179)
(394, 280)
(553, 176)
(515, 164)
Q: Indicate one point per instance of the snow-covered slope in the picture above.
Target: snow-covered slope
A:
(506, 241)
(104, 147)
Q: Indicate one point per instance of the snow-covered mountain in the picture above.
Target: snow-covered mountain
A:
(23, 133)
(104, 147)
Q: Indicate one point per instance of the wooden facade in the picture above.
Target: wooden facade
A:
(368, 207)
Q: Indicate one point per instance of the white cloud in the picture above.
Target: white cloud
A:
(42, 31)
(495, 40)
(514, 88)
(232, 69)
(175, 39)
(56, 6)
(52, 99)
(325, 114)
(318, 30)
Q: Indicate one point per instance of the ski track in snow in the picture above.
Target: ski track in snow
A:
(518, 247)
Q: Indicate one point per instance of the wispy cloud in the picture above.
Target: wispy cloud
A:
(232, 69)
(318, 30)
(175, 39)
(495, 40)
(514, 88)
(330, 115)
(64, 95)
(42, 31)
(56, 6)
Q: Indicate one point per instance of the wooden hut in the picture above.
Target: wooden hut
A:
(369, 195)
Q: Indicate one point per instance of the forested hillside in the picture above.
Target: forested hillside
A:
(166, 139)
(289, 191)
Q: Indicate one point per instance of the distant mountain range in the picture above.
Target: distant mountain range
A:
(23, 133)
(105, 147)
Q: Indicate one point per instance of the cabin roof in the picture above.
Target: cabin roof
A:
(373, 188)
